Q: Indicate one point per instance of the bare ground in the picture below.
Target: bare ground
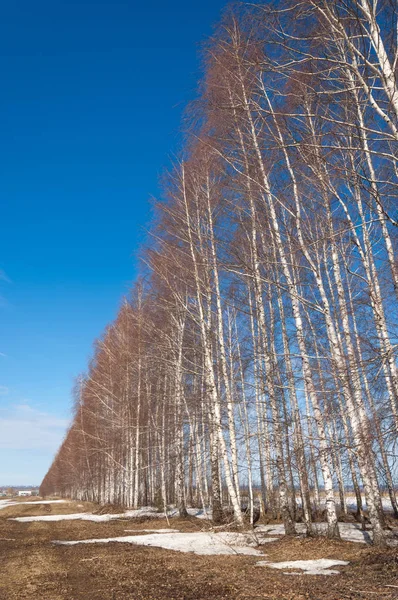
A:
(31, 567)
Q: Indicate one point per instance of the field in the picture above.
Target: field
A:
(32, 567)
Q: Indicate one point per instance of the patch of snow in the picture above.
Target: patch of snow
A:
(149, 511)
(352, 503)
(275, 529)
(354, 533)
(204, 543)
(199, 513)
(7, 503)
(154, 530)
(71, 517)
(350, 532)
(145, 512)
(309, 567)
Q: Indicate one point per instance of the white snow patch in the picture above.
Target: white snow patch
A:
(350, 532)
(354, 533)
(7, 503)
(204, 543)
(70, 517)
(310, 567)
(275, 529)
(145, 512)
(154, 530)
(199, 513)
(148, 511)
(351, 502)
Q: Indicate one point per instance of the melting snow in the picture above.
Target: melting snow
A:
(351, 532)
(310, 567)
(351, 502)
(145, 512)
(276, 529)
(204, 543)
(71, 517)
(141, 512)
(154, 530)
(7, 503)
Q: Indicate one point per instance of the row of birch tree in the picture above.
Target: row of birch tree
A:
(256, 357)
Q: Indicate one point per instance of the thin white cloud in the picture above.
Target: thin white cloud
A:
(4, 390)
(4, 276)
(25, 428)
(4, 302)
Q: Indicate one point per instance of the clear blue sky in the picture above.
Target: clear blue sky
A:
(91, 101)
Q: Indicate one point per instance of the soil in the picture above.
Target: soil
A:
(31, 567)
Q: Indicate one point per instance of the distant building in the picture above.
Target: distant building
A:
(25, 493)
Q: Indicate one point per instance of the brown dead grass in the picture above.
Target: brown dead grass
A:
(33, 568)
(39, 509)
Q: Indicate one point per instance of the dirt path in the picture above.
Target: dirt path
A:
(31, 567)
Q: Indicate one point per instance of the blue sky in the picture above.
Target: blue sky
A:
(91, 103)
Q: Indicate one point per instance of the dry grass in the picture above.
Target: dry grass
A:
(38, 509)
(33, 568)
